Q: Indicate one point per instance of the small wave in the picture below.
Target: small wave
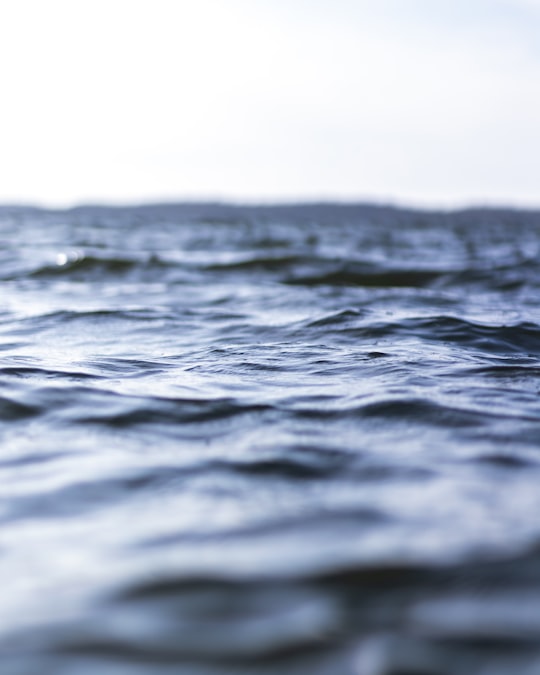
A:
(76, 498)
(261, 264)
(518, 339)
(58, 321)
(510, 372)
(407, 410)
(343, 317)
(34, 373)
(521, 338)
(101, 268)
(11, 410)
(505, 461)
(121, 411)
(86, 265)
(362, 275)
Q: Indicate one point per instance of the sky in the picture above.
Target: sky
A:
(414, 102)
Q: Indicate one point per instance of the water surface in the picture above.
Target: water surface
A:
(295, 440)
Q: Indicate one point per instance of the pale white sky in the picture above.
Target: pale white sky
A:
(428, 102)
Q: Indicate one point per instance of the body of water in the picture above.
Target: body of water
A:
(296, 440)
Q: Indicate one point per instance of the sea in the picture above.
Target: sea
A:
(291, 439)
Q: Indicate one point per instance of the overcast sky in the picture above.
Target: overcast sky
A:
(428, 102)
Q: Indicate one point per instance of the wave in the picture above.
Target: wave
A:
(358, 275)
(87, 267)
(261, 623)
(522, 338)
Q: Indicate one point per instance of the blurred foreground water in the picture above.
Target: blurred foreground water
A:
(297, 440)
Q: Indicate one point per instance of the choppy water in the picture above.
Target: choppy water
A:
(269, 440)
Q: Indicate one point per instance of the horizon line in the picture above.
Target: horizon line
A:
(270, 203)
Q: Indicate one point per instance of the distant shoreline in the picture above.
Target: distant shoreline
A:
(227, 208)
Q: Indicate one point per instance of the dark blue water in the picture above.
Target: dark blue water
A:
(296, 440)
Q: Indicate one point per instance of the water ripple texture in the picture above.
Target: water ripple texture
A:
(286, 439)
